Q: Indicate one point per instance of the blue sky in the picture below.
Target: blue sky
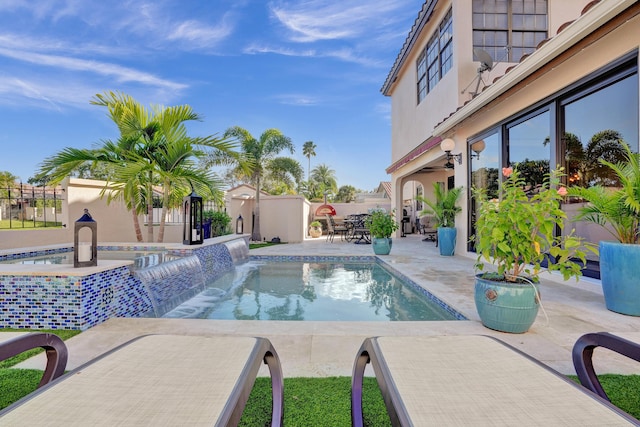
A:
(311, 68)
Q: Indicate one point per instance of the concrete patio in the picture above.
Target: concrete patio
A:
(329, 348)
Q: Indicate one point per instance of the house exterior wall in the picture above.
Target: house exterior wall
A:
(565, 65)
(115, 223)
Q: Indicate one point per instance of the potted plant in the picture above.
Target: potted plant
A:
(517, 234)
(618, 210)
(315, 229)
(444, 207)
(381, 226)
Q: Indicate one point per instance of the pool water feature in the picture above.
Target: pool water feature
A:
(314, 291)
(186, 276)
(63, 297)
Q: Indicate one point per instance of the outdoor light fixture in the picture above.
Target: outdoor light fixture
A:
(85, 254)
(477, 148)
(192, 230)
(239, 225)
(447, 145)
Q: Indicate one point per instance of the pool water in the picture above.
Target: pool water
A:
(312, 291)
(141, 259)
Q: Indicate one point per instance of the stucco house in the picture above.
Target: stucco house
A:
(537, 83)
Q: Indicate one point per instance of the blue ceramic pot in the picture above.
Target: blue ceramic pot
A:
(381, 245)
(619, 273)
(447, 240)
(506, 306)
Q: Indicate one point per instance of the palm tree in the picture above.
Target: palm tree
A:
(325, 177)
(282, 176)
(308, 150)
(167, 149)
(152, 153)
(257, 154)
(346, 194)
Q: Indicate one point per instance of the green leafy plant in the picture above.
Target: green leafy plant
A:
(381, 224)
(219, 222)
(315, 224)
(444, 205)
(517, 232)
(618, 207)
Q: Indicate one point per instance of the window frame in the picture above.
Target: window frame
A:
(513, 52)
(436, 58)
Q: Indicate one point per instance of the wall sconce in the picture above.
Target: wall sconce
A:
(477, 148)
(447, 145)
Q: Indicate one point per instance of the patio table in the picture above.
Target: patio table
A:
(357, 229)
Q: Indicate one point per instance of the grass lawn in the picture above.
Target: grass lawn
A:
(262, 245)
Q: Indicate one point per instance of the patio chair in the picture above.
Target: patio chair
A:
(583, 357)
(333, 229)
(428, 228)
(472, 380)
(55, 349)
(157, 380)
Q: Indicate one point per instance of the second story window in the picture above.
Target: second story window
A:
(508, 29)
(436, 58)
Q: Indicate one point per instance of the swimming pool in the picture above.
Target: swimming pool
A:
(314, 291)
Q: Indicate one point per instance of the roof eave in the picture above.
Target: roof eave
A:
(420, 22)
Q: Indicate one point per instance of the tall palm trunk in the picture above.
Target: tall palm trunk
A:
(150, 210)
(136, 221)
(255, 234)
(165, 204)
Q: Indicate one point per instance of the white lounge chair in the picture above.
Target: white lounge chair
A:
(473, 381)
(156, 380)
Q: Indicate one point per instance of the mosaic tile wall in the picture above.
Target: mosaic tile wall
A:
(215, 260)
(80, 302)
(65, 302)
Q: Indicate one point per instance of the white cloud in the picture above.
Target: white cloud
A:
(297, 99)
(257, 48)
(344, 54)
(314, 20)
(120, 73)
(200, 35)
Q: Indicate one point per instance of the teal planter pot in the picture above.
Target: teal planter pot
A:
(381, 245)
(447, 240)
(620, 277)
(505, 306)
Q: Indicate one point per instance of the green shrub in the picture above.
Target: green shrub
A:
(219, 222)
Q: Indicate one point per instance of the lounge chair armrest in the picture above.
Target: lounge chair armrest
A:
(54, 347)
(272, 360)
(583, 356)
